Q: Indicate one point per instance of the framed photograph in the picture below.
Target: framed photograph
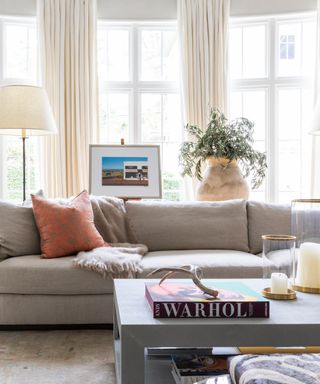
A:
(128, 171)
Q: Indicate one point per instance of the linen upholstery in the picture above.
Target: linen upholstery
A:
(55, 309)
(33, 275)
(189, 225)
(215, 264)
(264, 219)
(18, 231)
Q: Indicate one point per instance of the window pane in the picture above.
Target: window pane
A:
(289, 166)
(13, 166)
(170, 56)
(236, 108)
(172, 180)
(289, 48)
(254, 51)
(252, 105)
(159, 55)
(254, 108)
(20, 52)
(113, 54)
(151, 130)
(235, 53)
(114, 117)
(308, 48)
(172, 122)
(151, 43)
(289, 114)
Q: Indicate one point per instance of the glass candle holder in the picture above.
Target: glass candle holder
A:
(278, 256)
(305, 225)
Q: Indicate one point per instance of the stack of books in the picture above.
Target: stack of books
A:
(191, 369)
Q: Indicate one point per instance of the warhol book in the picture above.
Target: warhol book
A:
(185, 300)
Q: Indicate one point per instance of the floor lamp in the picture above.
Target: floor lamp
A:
(25, 111)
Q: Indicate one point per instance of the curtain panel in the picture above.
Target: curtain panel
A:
(315, 165)
(67, 40)
(203, 31)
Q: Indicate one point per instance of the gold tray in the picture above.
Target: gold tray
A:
(291, 295)
(305, 289)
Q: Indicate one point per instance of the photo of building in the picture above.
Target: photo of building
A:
(125, 171)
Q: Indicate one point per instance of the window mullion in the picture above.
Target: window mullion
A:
(136, 97)
(272, 130)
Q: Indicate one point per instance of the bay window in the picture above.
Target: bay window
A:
(271, 69)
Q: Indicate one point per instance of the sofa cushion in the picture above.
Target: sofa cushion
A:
(18, 231)
(215, 263)
(35, 275)
(264, 219)
(189, 225)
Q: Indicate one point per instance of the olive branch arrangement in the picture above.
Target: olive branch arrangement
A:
(223, 138)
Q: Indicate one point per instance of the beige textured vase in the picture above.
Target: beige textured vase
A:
(222, 181)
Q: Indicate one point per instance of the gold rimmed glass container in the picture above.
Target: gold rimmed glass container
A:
(278, 258)
(305, 223)
(278, 255)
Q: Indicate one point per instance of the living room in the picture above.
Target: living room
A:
(142, 140)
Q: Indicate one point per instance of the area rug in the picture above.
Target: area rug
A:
(57, 357)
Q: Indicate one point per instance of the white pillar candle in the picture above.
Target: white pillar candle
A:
(279, 283)
(308, 269)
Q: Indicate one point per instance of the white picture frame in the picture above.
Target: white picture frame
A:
(125, 171)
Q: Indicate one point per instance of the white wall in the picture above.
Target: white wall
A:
(164, 9)
(167, 9)
(18, 7)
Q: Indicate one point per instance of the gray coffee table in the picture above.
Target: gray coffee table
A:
(291, 323)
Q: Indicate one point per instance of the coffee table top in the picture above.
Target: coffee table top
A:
(133, 309)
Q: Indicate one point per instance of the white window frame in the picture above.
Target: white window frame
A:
(136, 87)
(271, 83)
(30, 21)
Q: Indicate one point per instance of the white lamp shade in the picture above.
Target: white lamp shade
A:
(25, 107)
(315, 122)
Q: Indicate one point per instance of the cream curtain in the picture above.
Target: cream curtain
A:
(315, 166)
(203, 30)
(67, 32)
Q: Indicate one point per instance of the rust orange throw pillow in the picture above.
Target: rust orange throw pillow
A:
(66, 229)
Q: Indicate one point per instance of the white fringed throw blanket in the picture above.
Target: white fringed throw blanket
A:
(118, 260)
(122, 258)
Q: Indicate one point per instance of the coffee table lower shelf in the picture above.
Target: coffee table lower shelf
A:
(158, 369)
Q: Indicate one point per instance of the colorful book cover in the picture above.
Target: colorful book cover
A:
(186, 300)
(198, 367)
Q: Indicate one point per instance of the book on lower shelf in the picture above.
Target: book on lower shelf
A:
(186, 300)
(191, 369)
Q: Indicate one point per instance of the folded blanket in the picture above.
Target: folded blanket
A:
(110, 219)
(121, 260)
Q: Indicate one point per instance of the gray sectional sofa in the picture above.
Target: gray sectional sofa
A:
(223, 238)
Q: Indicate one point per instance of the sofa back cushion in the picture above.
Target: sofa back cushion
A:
(18, 231)
(264, 219)
(189, 225)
